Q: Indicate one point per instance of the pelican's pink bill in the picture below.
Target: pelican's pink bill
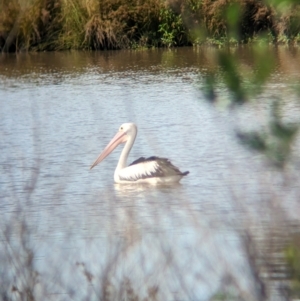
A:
(119, 138)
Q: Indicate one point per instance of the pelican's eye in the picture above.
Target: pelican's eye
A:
(121, 128)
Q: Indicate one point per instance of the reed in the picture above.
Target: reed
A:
(116, 24)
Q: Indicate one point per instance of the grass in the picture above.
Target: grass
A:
(117, 24)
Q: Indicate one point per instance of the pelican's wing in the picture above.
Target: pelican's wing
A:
(151, 167)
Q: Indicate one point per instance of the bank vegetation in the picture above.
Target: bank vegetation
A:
(45, 25)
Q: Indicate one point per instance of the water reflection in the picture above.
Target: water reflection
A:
(175, 61)
(130, 190)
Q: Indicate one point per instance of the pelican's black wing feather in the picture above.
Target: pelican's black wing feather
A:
(164, 167)
(143, 159)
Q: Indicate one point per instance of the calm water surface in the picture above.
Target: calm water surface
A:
(59, 110)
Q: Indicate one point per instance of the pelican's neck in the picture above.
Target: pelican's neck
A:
(125, 152)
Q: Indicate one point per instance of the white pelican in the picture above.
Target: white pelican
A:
(143, 170)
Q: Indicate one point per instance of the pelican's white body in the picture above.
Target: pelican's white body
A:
(136, 173)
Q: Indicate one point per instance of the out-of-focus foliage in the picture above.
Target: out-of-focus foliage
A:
(241, 84)
(244, 85)
(292, 255)
(276, 139)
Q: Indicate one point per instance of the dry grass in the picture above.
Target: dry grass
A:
(76, 24)
(111, 24)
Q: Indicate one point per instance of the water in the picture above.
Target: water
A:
(58, 112)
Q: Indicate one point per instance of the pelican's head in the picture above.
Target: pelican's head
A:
(128, 128)
(126, 131)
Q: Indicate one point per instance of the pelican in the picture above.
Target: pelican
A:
(143, 170)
